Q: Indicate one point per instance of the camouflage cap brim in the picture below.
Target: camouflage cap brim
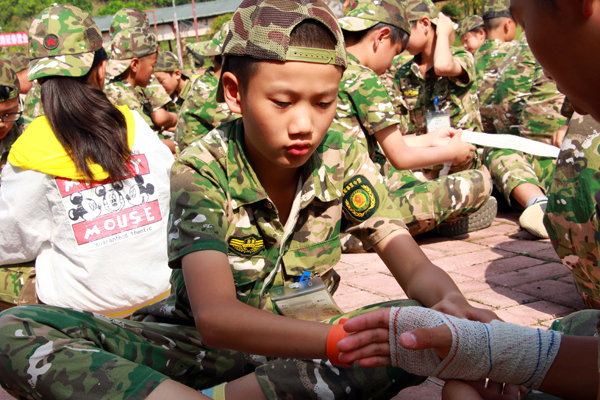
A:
(205, 48)
(74, 65)
(355, 24)
(8, 78)
(117, 67)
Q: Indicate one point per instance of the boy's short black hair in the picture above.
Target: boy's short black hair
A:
(492, 20)
(5, 93)
(396, 34)
(308, 33)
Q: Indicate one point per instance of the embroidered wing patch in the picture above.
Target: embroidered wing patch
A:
(246, 246)
(360, 198)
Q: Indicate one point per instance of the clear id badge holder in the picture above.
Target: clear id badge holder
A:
(437, 119)
(308, 300)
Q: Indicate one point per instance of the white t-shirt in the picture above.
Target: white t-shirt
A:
(98, 246)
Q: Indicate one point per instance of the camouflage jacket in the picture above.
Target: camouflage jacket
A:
(200, 112)
(570, 216)
(488, 59)
(6, 143)
(32, 107)
(525, 102)
(364, 107)
(417, 94)
(218, 204)
(388, 76)
(120, 92)
(177, 100)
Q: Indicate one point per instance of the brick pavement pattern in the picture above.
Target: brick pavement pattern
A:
(501, 268)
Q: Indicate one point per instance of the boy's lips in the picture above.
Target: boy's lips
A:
(299, 149)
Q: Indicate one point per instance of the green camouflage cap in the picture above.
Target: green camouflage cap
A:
(417, 9)
(128, 18)
(8, 77)
(62, 42)
(214, 46)
(129, 44)
(468, 24)
(497, 6)
(261, 29)
(18, 61)
(167, 62)
(364, 14)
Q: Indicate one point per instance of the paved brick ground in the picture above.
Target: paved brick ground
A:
(501, 268)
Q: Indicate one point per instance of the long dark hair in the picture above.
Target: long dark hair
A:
(86, 123)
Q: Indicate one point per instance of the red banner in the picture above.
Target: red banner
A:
(13, 39)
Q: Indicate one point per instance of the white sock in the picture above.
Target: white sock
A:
(500, 351)
(540, 198)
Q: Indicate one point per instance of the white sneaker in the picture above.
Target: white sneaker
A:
(532, 219)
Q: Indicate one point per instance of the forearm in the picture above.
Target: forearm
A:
(576, 361)
(443, 60)
(420, 279)
(418, 140)
(164, 118)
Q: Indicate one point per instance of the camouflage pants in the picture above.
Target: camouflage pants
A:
(582, 323)
(510, 168)
(426, 205)
(50, 352)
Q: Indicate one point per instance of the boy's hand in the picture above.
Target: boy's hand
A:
(441, 136)
(445, 26)
(456, 305)
(460, 151)
(558, 136)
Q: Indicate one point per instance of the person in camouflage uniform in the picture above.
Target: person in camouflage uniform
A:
(525, 103)
(365, 111)
(11, 125)
(177, 84)
(418, 89)
(500, 31)
(471, 33)
(20, 63)
(224, 214)
(201, 112)
(128, 18)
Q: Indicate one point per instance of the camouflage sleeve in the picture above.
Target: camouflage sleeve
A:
(541, 115)
(467, 62)
(371, 101)
(369, 214)
(198, 203)
(156, 94)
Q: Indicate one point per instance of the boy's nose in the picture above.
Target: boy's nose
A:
(302, 123)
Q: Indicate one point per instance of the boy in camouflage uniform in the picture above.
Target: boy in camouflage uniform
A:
(450, 79)
(365, 111)
(525, 103)
(177, 84)
(201, 112)
(471, 33)
(255, 204)
(500, 31)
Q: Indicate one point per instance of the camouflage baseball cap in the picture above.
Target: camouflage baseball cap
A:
(417, 9)
(128, 18)
(167, 62)
(496, 7)
(364, 14)
(468, 24)
(261, 29)
(18, 61)
(62, 42)
(214, 46)
(8, 77)
(127, 45)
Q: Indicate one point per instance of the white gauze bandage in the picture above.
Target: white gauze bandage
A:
(500, 351)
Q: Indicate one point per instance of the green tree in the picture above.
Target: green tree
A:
(17, 15)
(218, 23)
(452, 10)
(470, 7)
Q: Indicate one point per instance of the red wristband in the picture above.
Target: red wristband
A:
(336, 333)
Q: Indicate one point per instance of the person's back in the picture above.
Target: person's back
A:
(85, 196)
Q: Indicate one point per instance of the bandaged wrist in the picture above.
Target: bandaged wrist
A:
(500, 351)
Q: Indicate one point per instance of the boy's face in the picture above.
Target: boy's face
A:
(418, 37)
(145, 69)
(168, 81)
(287, 110)
(385, 54)
(7, 107)
(472, 41)
(564, 41)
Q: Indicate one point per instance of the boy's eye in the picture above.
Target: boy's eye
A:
(281, 104)
(325, 105)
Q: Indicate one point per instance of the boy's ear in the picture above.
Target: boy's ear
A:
(231, 92)
(589, 6)
(177, 74)
(381, 35)
(134, 65)
(101, 74)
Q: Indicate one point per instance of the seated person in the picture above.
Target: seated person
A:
(525, 103)
(255, 204)
(373, 36)
(82, 189)
(500, 30)
(471, 33)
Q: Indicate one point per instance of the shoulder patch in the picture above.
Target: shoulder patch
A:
(246, 246)
(360, 198)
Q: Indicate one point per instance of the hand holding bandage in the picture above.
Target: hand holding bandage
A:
(462, 349)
